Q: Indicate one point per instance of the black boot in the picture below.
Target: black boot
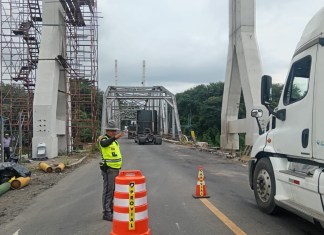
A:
(108, 217)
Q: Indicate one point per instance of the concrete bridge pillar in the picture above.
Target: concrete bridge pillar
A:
(49, 107)
(243, 73)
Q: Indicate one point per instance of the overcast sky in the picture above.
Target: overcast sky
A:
(185, 42)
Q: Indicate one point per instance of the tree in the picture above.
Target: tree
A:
(203, 105)
(276, 93)
(200, 110)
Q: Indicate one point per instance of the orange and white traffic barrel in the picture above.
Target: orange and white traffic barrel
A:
(130, 204)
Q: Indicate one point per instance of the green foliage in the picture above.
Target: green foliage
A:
(202, 106)
(85, 112)
(200, 110)
(86, 103)
(12, 99)
(276, 92)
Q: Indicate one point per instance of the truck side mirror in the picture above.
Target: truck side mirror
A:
(266, 97)
(266, 90)
(256, 113)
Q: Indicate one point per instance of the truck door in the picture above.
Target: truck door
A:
(318, 117)
(293, 136)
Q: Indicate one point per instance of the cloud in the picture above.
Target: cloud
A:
(279, 27)
(184, 42)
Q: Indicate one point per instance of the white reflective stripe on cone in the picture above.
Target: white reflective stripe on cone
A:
(125, 202)
(125, 216)
(198, 183)
(124, 188)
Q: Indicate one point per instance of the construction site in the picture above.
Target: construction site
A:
(28, 37)
(147, 182)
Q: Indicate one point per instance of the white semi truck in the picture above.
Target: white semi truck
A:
(286, 169)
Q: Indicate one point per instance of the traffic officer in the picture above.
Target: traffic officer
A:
(110, 165)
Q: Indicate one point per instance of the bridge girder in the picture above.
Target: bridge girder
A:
(122, 102)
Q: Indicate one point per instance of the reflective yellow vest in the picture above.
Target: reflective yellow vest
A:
(111, 155)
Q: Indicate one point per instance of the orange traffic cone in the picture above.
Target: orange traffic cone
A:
(130, 204)
(201, 191)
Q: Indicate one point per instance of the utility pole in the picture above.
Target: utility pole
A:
(116, 73)
(143, 80)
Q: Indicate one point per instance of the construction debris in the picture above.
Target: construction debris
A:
(4, 187)
(59, 167)
(45, 167)
(11, 169)
(20, 182)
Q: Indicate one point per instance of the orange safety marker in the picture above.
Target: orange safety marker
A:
(130, 204)
(201, 191)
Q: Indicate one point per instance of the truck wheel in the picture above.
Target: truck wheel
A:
(158, 141)
(264, 186)
(141, 140)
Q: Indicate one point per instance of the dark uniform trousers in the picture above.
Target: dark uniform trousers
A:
(108, 189)
(6, 151)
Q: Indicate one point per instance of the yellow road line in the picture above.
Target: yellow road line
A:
(223, 218)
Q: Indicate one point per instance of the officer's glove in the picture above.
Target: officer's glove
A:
(100, 138)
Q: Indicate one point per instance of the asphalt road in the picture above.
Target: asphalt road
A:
(74, 205)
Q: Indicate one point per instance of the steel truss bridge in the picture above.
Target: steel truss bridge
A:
(122, 102)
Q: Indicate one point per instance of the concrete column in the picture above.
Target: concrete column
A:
(243, 73)
(49, 115)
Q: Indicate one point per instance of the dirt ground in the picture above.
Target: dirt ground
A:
(15, 201)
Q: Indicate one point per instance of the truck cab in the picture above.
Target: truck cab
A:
(287, 160)
(147, 130)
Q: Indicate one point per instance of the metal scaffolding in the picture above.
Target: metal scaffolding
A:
(20, 38)
(81, 65)
(21, 25)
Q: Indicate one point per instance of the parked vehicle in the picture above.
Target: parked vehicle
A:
(287, 160)
(131, 131)
(147, 127)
